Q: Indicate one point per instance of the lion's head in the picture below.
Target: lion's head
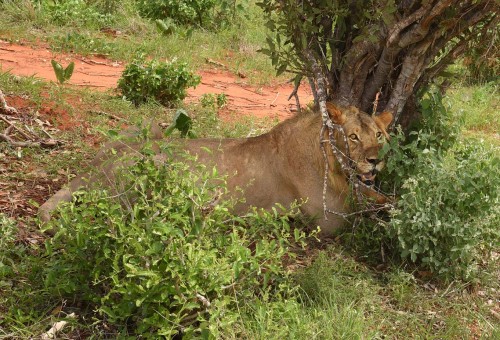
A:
(365, 136)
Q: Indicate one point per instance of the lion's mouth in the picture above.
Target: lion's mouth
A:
(368, 178)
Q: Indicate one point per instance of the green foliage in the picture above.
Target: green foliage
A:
(181, 122)
(7, 244)
(447, 213)
(164, 82)
(481, 57)
(84, 43)
(170, 258)
(62, 74)
(212, 14)
(76, 12)
(310, 24)
(21, 301)
(166, 26)
(217, 101)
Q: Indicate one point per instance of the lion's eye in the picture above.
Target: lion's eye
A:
(353, 136)
(379, 134)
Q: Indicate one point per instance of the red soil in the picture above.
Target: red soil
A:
(103, 74)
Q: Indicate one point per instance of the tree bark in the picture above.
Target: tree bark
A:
(393, 51)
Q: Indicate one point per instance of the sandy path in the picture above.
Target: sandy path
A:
(103, 74)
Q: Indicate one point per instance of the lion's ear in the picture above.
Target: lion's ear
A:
(337, 116)
(383, 120)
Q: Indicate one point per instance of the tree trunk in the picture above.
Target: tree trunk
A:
(366, 50)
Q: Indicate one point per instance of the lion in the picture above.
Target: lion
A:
(283, 166)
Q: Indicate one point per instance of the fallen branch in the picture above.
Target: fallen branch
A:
(214, 62)
(12, 126)
(109, 115)
(56, 328)
(48, 143)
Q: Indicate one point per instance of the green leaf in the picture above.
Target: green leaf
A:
(182, 122)
(68, 72)
(166, 26)
(281, 69)
(58, 70)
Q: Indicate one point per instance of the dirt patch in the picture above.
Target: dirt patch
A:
(103, 74)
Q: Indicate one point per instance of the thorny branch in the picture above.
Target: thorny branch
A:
(343, 158)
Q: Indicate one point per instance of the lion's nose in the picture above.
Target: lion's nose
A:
(373, 161)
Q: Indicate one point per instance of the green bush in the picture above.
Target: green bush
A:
(83, 43)
(447, 213)
(76, 12)
(168, 260)
(163, 82)
(202, 13)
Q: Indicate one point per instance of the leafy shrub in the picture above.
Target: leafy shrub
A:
(168, 259)
(81, 43)
(76, 12)
(202, 13)
(447, 214)
(216, 101)
(164, 82)
(481, 59)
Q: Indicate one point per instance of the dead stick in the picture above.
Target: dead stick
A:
(25, 135)
(277, 94)
(12, 142)
(214, 62)
(109, 115)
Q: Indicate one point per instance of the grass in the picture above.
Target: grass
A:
(341, 296)
(478, 106)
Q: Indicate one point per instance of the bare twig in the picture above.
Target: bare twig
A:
(214, 62)
(206, 303)
(277, 95)
(109, 115)
(373, 209)
(25, 135)
(43, 143)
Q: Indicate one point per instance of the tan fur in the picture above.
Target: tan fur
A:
(281, 166)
